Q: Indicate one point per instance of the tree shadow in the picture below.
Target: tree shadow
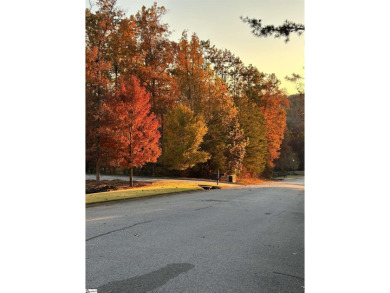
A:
(147, 282)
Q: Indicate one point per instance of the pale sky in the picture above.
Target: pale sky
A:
(219, 21)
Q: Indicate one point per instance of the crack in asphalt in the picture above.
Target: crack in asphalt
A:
(121, 229)
(288, 275)
(202, 208)
(218, 200)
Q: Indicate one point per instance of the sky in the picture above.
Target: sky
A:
(219, 21)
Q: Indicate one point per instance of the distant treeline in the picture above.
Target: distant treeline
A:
(293, 146)
(185, 107)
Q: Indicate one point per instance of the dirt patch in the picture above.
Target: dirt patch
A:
(107, 185)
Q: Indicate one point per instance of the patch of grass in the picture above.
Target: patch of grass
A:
(162, 187)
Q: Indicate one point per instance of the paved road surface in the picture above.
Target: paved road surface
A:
(231, 240)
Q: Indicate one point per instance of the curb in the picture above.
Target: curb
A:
(111, 202)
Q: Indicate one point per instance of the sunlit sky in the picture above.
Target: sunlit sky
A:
(219, 21)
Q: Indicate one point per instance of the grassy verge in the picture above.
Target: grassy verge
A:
(153, 189)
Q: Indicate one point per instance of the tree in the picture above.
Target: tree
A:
(236, 149)
(226, 65)
(154, 56)
(283, 30)
(99, 26)
(190, 73)
(221, 119)
(183, 134)
(254, 127)
(249, 86)
(121, 48)
(264, 91)
(273, 105)
(296, 118)
(137, 128)
(296, 128)
(207, 94)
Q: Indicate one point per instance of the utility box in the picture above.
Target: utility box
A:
(232, 178)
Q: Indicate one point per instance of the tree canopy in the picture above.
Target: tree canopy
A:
(183, 134)
(186, 104)
(137, 132)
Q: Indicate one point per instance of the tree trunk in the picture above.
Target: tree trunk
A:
(131, 177)
(97, 173)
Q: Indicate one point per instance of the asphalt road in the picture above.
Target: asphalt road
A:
(230, 240)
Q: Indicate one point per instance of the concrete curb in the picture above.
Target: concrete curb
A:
(111, 202)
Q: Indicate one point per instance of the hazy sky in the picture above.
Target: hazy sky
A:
(219, 21)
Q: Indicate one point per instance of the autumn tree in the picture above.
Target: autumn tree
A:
(183, 134)
(137, 128)
(264, 91)
(99, 26)
(121, 48)
(252, 122)
(154, 58)
(190, 73)
(221, 117)
(207, 94)
(250, 86)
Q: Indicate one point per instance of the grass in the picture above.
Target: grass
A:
(161, 187)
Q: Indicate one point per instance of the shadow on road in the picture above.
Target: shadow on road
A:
(146, 282)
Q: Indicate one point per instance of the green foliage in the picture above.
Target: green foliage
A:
(236, 149)
(253, 124)
(221, 117)
(183, 134)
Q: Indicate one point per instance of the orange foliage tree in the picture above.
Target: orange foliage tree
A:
(264, 91)
(136, 128)
(273, 105)
(99, 27)
(154, 57)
